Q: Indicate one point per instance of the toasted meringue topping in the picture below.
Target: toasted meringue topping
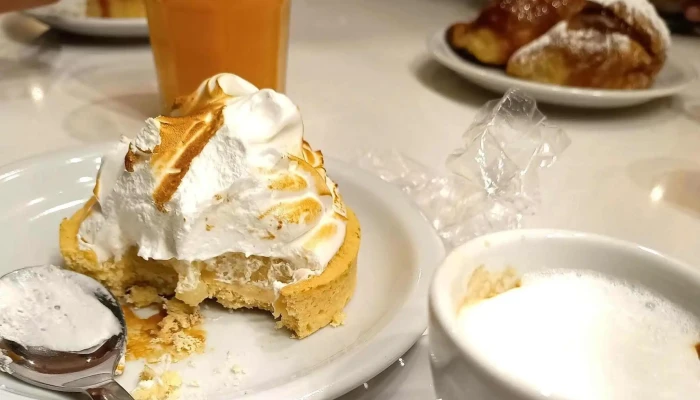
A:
(288, 182)
(229, 172)
(322, 234)
(181, 140)
(304, 211)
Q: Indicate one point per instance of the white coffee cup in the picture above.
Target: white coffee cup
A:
(458, 371)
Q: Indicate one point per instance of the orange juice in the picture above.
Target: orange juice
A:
(193, 40)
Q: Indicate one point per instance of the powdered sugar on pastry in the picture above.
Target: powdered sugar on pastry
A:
(644, 9)
(579, 40)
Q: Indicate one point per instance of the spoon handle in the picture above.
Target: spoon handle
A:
(109, 390)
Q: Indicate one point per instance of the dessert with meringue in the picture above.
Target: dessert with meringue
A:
(223, 200)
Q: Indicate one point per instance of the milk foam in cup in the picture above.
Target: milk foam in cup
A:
(580, 335)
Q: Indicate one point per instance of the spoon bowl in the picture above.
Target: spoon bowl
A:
(90, 371)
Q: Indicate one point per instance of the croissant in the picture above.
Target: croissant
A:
(621, 45)
(504, 26)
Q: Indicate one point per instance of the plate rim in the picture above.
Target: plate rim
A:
(437, 44)
(115, 27)
(404, 328)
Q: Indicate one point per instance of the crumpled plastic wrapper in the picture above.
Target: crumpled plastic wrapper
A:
(492, 181)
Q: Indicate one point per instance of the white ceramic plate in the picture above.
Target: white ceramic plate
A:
(104, 27)
(388, 313)
(675, 76)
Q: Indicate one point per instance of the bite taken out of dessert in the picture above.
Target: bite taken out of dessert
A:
(605, 44)
(222, 200)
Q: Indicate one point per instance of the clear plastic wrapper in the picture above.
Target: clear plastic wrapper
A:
(493, 179)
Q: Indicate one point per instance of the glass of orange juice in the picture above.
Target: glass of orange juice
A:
(195, 39)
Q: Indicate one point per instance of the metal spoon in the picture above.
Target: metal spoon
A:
(89, 371)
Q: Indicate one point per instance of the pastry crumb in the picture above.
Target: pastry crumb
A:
(484, 284)
(176, 331)
(233, 383)
(237, 369)
(158, 383)
(143, 296)
(120, 366)
(338, 319)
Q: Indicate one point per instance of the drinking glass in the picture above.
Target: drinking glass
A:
(193, 40)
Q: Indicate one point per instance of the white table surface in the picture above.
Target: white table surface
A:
(360, 73)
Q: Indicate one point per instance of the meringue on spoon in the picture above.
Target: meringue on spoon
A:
(61, 330)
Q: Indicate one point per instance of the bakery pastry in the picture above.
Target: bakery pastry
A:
(116, 8)
(503, 26)
(224, 200)
(610, 44)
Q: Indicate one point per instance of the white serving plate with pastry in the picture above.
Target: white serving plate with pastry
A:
(675, 76)
(88, 26)
(387, 314)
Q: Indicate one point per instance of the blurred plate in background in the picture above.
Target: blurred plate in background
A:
(104, 27)
(675, 76)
